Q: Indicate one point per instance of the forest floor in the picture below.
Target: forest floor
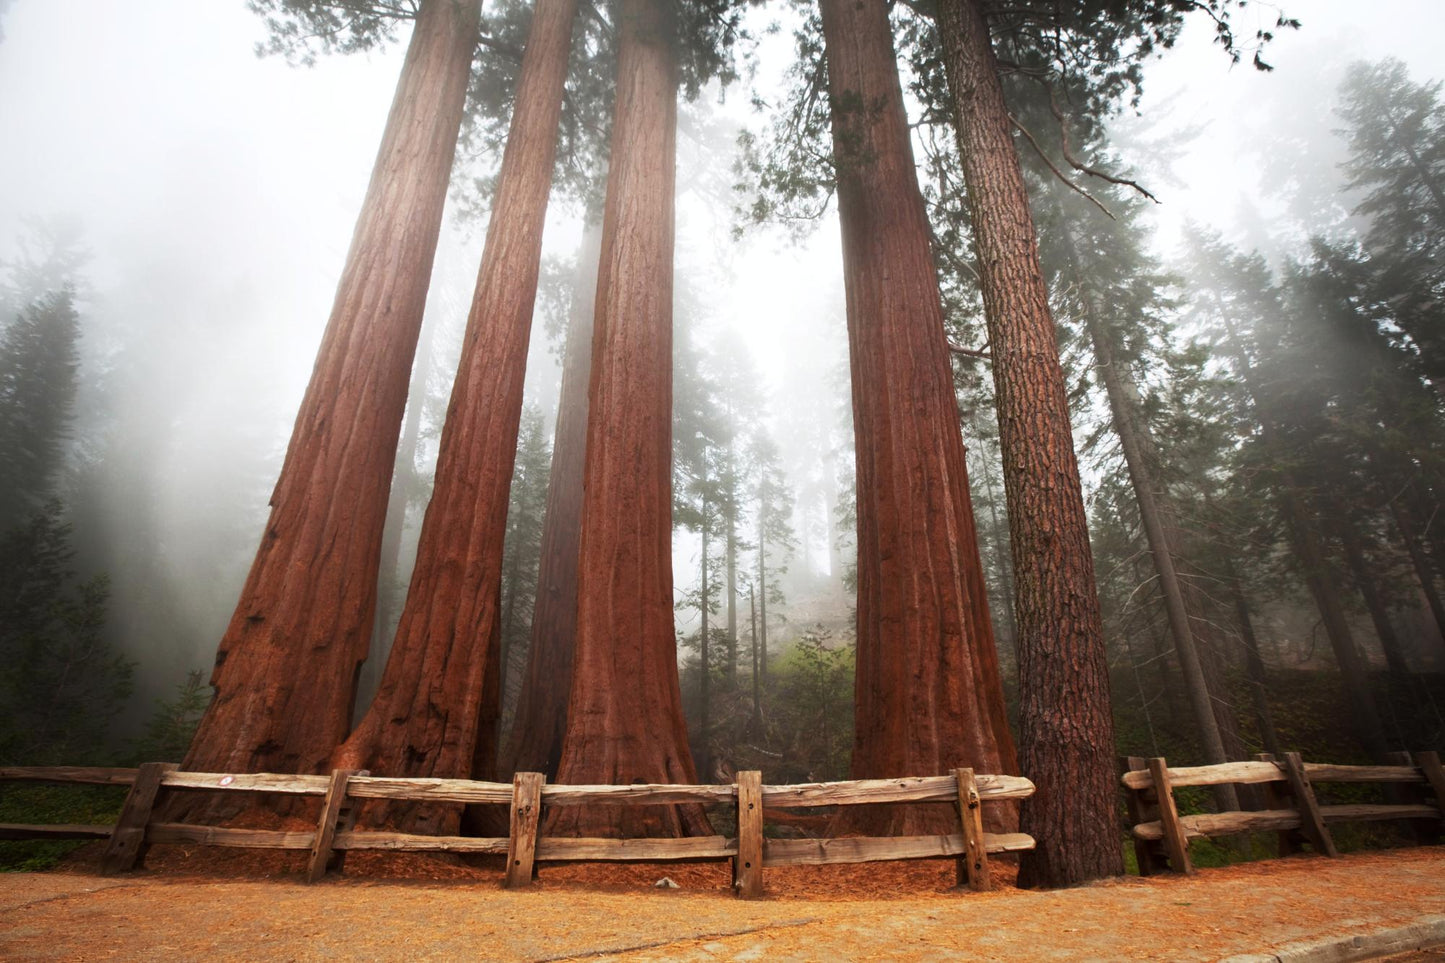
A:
(210, 905)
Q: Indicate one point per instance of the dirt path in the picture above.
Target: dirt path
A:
(159, 915)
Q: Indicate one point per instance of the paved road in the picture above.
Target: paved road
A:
(1217, 913)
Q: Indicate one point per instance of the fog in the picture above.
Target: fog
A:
(213, 194)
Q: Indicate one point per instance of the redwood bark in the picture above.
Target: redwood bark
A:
(535, 744)
(286, 668)
(928, 694)
(624, 720)
(1065, 727)
(425, 718)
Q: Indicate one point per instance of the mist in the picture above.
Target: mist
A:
(208, 196)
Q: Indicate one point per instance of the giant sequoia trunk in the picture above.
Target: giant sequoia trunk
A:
(928, 694)
(1066, 731)
(1156, 513)
(286, 669)
(535, 744)
(424, 721)
(624, 719)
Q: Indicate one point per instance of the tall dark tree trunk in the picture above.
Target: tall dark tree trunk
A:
(732, 593)
(536, 740)
(1325, 590)
(1424, 572)
(1066, 730)
(762, 625)
(1254, 665)
(1314, 567)
(424, 721)
(928, 693)
(286, 669)
(1156, 515)
(757, 719)
(1369, 588)
(704, 652)
(624, 719)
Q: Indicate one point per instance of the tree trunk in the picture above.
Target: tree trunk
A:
(286, 669)
(1424, 573)
(1065, 727)
(1258, 683)
(444, 661)
(928, 694)
(1370, 591)
(763, 585)
(1318, 576)
(732, 597)
(536, 740)
(624, 720)
(1140, 456)
(1326, 593)
(704, 653)
(757, 719)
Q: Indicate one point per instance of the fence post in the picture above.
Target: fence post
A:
(1141, 810)
(1405, 794)
(1430, 768)
(1274, 799)
(1176, 844)
(127, 840)
(522, 834)
(326, 824)
(1312, 824)
(972, 867)
(748, 863)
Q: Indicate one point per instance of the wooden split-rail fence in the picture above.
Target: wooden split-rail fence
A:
(527, 796)
(1161, 835)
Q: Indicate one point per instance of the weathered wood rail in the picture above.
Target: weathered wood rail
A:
(1161, 835)
(527, 796)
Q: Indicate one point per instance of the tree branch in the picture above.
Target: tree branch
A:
(1058, 173)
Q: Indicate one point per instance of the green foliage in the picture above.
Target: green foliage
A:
(174, 721)
(38, 804)
(815, 678)
(38, 364)
(522, 551)
(60, 682)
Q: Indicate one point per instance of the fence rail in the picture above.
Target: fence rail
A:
(527, 796)
(1161, 835)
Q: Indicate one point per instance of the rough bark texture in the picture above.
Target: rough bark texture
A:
(425, 719)
(286, 669)
(1065, 727)
(928, 694)
(624, 719)
(1157, 517)
(535, 744)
